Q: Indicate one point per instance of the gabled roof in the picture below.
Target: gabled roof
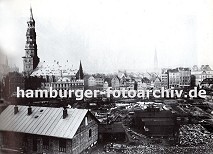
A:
(115, 76)
(45, 121)
(121, 75)
(157, 78)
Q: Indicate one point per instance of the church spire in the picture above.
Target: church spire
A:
(31, 13)
(80, 74)
(31, 58)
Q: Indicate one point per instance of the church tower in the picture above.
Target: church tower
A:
(31, 59)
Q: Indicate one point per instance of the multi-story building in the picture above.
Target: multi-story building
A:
(43, 75)
(126, 81)
(130, 83)
(157, 83)
(174, 78)
(58, 76)
(99, 79)
(90, 82)
(123, 82)
(47, 130)
(164, 80)
(64, 83)
(185, 77)
(115, 83)
(199, 74)
(139, 83)
(179, 77)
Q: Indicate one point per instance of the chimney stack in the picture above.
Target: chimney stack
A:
(15, 109)
(65, 113)
(29, 110)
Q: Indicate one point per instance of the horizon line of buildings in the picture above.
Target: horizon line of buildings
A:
(43, 75)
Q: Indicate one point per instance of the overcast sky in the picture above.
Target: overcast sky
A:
(107, 35)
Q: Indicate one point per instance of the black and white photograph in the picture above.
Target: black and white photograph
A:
(106, 76)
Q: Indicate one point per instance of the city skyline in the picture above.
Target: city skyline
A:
(106, 41)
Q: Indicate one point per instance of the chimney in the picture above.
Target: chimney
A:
(65, 113)
(15, 109)
(29, 110)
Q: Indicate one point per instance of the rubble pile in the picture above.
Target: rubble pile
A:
(167, 150)
(193, 135)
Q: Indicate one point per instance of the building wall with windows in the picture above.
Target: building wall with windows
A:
(86, 136)
(201, 75)
(185, 77)
(174, 79)
(72, 133)
(179, 77)
(99, 82)
(164, 80)
(64, 85)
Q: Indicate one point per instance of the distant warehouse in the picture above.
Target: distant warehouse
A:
(156, 121)
(47, 130)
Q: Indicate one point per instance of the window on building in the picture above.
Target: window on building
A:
(86, 121)
(90, 133)
(45, 143)
(62, 145)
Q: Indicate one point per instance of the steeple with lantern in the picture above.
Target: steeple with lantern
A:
(31, 59)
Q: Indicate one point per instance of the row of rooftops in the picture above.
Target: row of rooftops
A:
(129, 78)
(202, 68)
(179, 69)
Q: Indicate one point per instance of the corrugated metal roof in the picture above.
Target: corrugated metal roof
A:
(43, 121)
